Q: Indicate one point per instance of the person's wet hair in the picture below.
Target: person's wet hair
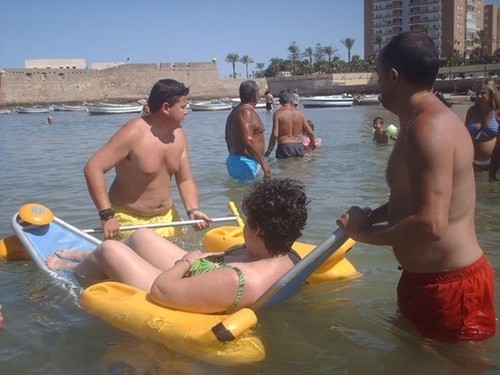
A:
(277, 207)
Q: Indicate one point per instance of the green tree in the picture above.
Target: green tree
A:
(348, 43)
(481, 39)
(308, 53)
(233, 58)
(377, 40)
(294, 55)
(275, 66)
(330, 52)
(260, 66)
(246, 60)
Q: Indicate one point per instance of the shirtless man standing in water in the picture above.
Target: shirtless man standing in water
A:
(245, 137)
(146, 153)
(289, 123)
(447, 285)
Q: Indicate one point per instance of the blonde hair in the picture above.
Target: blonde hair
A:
(492, 88)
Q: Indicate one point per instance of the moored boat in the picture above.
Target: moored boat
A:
(110, 108)
(371, 99)
(344, 100)
(65, 107)
(211, 105)
(33, 109)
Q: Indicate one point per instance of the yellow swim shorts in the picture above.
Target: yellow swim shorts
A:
(125, 217)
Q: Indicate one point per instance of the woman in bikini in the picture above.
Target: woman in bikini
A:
(482, 122)
(276, 214)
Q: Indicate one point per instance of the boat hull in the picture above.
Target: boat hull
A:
(327, 101)
(209, 106)
(113, 109)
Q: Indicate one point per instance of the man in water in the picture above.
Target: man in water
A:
(146, 153)
(288, 125)
(245, 137)
(447, 284)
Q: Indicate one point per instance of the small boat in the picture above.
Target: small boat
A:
(65, 107)
(260, 104)
(5, 111)
(371, 99)
(211, 105)
(110, 108)
(344, 100)
(33, 109)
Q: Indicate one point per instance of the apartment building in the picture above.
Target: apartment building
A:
(492, 26)
(452, 24)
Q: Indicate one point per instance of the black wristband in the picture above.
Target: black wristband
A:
(106, 214)
(191, 210)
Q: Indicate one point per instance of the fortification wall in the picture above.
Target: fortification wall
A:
(120, 83)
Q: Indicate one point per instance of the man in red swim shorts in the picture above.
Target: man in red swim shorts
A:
(447, 287)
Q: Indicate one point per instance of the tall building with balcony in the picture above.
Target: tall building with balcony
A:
(492, 27)
(452, 24)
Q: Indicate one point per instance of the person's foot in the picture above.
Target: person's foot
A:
(75, 255)
(56, 263)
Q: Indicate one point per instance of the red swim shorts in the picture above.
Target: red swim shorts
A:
(455, 305)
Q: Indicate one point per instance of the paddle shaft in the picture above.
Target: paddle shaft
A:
(163, 225)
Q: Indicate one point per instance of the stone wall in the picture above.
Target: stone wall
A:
(122, 83)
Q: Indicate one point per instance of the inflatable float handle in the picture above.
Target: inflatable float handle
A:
(234, 325)
(235, 212)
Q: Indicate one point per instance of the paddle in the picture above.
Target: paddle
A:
(38, 214)
(162, 225)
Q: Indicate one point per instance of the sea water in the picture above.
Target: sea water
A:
(340, 327)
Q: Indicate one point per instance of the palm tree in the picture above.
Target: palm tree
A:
(260, 66)
(377, 39)
(246, 60)
(275, 65)
(348, 43)
(308, 52)
(294, 54)
(233, 59)
(330, 52)
(483, 39)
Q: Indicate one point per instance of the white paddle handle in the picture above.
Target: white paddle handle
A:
(163, 225)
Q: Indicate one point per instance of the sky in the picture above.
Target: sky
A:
(168, 31)
(155, 31)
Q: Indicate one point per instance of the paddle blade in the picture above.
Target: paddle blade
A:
(12, 249)
(36, 214)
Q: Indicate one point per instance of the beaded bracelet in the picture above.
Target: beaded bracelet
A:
(191, 210)
(106, 214)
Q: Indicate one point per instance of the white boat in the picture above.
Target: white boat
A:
(371, 99)
(5, 111)
(260, 104)
(211, 105)
(110, 108)
(65, 107)
(343, 100)
(33, 109)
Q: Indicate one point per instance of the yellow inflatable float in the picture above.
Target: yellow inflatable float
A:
(217, 339)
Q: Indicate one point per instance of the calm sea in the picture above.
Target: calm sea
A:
(344, 327)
